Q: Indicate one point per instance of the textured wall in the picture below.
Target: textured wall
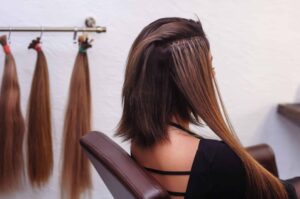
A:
(255, 45)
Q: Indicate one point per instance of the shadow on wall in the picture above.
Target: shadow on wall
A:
(284, 137)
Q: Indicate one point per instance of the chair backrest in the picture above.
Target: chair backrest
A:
(264, 154)
(296, 183)
(122, 176)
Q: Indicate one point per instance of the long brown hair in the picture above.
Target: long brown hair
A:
(169, 73)
(76, 177)
(39, 139)
(12, 125)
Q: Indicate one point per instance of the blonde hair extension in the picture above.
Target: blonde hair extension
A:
(214, 114)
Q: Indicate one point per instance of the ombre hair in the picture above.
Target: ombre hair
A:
(39, 138)
(169, 73)
(12, 127)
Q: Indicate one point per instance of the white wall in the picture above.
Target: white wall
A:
(255, 45)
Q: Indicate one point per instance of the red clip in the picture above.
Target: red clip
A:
(6, 49)
(38, 47)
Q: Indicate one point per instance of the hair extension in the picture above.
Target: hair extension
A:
(39, 139)
(12, 125)
(76, 177)
(169, 72)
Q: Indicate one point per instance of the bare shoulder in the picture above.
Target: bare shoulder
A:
(178, 154)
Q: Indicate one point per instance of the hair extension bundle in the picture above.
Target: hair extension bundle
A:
(39, 140)
(76, 177)
(12, 125)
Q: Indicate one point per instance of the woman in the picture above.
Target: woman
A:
(169, 83)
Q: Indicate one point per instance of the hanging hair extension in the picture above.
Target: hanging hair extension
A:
(76, 177)
(12, 125)
(39, 139)
(169, 73)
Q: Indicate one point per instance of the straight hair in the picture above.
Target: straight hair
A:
(39, 139)
(12, 125)
(76, 177)
(169, 73)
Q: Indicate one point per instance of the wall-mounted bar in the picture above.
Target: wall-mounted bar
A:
(90, 24)
(97, 29)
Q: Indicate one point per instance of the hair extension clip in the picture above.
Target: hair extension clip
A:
(84, 43)
(6, 49)
(36, 44)
(5, 45)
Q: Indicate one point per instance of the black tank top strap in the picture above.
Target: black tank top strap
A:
(186, 130)
(164, 172)
(173, 193)
(161, 172)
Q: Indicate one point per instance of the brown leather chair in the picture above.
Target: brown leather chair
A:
(265, 156)
(126, 179)
(122, 176)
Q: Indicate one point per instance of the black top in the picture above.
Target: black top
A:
(217, 172)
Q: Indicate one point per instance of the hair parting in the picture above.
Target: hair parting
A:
(169, 72)
(12, 125)
(39, 138)
(76, 177)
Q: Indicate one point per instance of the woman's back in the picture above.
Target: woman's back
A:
(189, 167)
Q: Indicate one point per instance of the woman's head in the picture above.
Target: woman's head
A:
(169, 59)
(169, 74)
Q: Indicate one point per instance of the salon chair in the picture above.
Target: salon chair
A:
(125, 179)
